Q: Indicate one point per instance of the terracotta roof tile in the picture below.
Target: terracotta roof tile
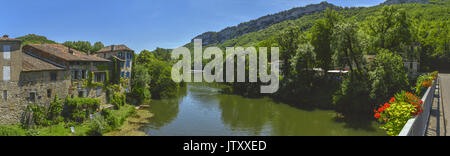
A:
(116, 48)
(9, 39)
(62, 52)
(31, 63)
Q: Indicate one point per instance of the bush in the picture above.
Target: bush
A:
(396, 113)
(78, 109)
(389, 76)
(15, 130)
(97, 125)
(116, 118)
(39, 115)
(55, 109)
(352, 99)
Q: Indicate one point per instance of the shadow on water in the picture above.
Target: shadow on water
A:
(166, 110)
(203, 110)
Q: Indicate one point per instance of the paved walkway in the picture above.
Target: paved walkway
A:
(445, 100)
(440, 115)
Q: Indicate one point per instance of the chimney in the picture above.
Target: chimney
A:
(112, 48)
(71, 51)
(5, 36)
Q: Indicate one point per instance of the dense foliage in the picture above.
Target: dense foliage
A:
(84, 46)
(342, 39)
(34, 39)
(78, 109)
(154, 75)
(388, 77)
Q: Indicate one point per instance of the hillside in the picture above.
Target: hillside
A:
(249, 33)
(34, 39)
(261, 23)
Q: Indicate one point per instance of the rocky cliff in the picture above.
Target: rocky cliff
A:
(261, 23)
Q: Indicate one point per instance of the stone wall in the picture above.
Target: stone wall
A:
(33, 88)
(14, 62)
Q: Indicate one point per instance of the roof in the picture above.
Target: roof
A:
(116, 48)
(62, 52)
(118, 58)
(31, 63)
(9, 39)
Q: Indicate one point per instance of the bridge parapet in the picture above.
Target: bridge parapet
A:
(418, 126)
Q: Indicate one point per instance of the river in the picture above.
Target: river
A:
(203, 111)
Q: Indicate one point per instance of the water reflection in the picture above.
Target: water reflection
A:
(201, 110)
(165, 111)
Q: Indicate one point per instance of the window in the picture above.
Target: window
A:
(122, 74)
(53, 76)
(75, 74)
(6, 73)
(129, 56)
(128, 63)
(5, 95)
(99, 91)
(6, 52)
(79, 74)
(81, 94)
(128, 74)
(49, 93)
(32, 96)
(83, 74)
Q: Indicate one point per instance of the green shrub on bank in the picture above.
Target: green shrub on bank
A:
(98, 125)
(15, 130)
(116, 118)
(78, 109)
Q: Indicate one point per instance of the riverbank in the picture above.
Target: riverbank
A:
(134, 125)
(111, 121)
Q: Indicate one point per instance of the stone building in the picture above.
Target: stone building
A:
(83, 67)
(26, 80)
(123, 55)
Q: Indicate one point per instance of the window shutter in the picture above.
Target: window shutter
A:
(6, 73)
(6, 52)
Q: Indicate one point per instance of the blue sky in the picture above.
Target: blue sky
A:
(140, 24)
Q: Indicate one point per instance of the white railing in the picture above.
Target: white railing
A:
(418, 126)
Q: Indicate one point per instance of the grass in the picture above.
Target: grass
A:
(134, 125)
(14, 130)
(63, 129)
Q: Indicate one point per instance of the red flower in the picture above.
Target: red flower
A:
(380, 110)
(392, 100)
(377, 115)
(387, 105)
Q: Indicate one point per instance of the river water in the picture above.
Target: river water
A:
(203, 111)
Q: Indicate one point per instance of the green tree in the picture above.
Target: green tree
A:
(35, 39)
(321, 37)
(83, 46)
(140, 84)
(347, 46)
(389, 76)
(97, 46)
(388, 28)
(161, 83)
(288, 42)
(162, 54)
